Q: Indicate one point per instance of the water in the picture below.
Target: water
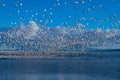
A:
(74, 68)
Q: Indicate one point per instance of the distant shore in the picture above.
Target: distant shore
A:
(59, 52)
(56, 54)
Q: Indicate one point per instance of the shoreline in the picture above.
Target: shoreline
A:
(55, 54)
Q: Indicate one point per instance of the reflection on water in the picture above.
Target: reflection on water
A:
(54, 77)
(100, 68)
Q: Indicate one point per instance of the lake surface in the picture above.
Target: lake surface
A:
(105, 67)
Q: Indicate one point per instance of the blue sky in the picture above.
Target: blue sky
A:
(51, 13)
